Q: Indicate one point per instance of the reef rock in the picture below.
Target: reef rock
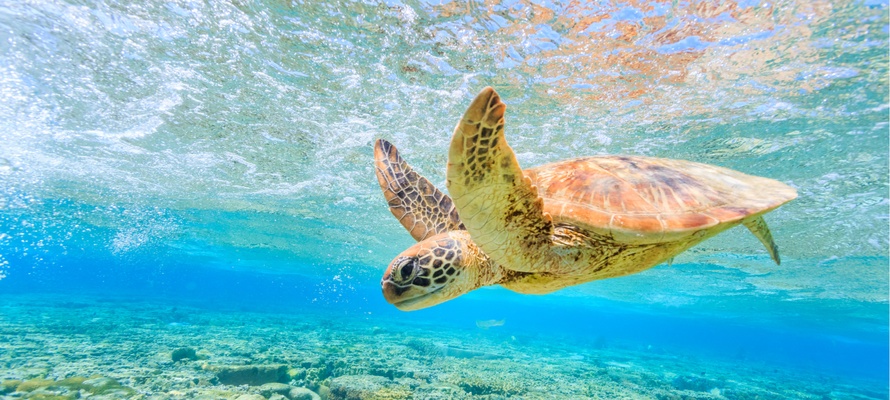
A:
(268, 389)
(695, 383)
(184, 353)
(302, 394)
(253, 375)
(250, 397)
(360, 387)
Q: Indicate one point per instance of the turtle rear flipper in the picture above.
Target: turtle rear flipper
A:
(758, 227)
(418, 205)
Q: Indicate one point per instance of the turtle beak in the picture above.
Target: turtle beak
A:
(404, 298)
(391, 292)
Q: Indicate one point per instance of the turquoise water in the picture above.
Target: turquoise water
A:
(189, 174)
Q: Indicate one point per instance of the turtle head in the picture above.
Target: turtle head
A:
(436, 270)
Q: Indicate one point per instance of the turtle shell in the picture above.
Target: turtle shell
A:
(650, 200)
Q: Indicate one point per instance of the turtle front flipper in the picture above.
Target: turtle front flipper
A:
(418, 205)
(498, 205)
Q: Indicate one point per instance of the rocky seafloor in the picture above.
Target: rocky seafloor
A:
(55, 347)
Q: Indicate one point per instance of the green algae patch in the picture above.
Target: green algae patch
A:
(296, 373)
(38, 395)
(33, 384)
(479, 387)
(391, 393)
(366, 387)
(69, 388)
(49, 396)
(99, 384)
(9, 385)
(72, 381)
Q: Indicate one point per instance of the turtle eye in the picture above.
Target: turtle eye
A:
(406, 269)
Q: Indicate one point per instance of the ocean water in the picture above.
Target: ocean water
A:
(188, 207)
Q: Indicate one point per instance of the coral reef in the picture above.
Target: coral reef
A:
(184, 353)
(253, 375)
(119, 349)
(69, 388)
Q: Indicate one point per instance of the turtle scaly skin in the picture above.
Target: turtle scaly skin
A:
(421, 208)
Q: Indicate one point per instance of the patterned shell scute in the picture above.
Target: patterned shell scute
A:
(645, 199)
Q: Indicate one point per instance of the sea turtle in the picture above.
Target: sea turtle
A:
(542, 229)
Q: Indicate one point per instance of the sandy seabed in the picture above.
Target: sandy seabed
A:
(64, 347)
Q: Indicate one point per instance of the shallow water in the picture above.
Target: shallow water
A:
(216, 157)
